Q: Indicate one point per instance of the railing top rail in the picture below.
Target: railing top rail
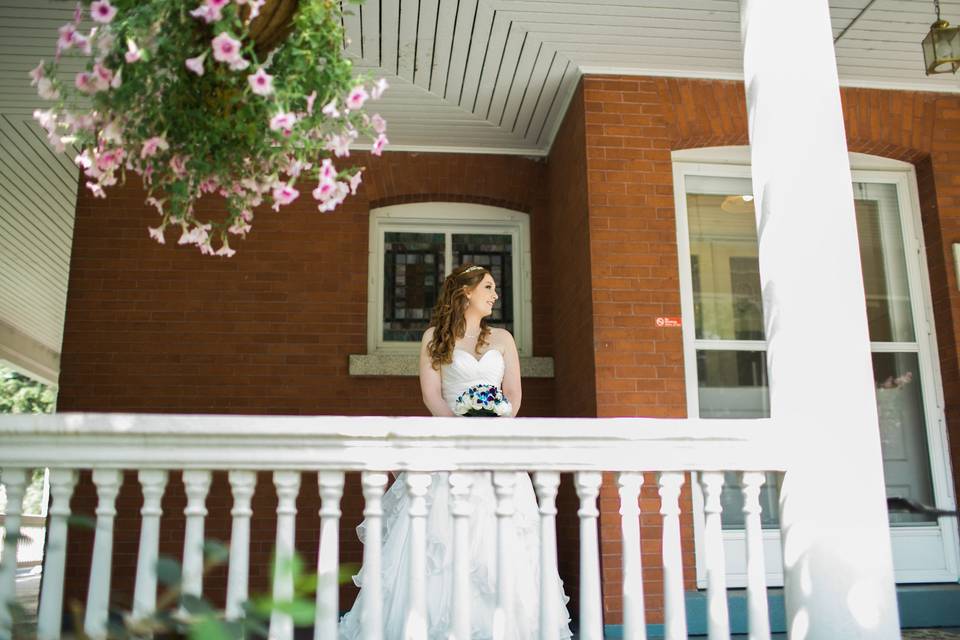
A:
(178, 441)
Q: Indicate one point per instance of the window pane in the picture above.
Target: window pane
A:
(723, 256)
(413, 275)
(733, 384)
(883, 262)
(903, 433)
(495, 252)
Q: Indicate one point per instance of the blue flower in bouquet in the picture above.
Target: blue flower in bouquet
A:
(485, 400)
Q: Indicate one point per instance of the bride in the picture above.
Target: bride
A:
(459, 350)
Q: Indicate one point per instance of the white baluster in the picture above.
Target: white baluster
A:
(108, 483)
(674, 609)
(328, 557)
(504, 486)
(15, 481)
(418, 483)
(153, 482)
(634, 617)
(196, 485)
(546, 484)
(718, 620)
(757, 614)
(287, 484)
(591, 616)
(62, 482)
(371, 620)
(242, 486)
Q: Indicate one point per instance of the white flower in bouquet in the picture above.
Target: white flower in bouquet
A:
(483, 400)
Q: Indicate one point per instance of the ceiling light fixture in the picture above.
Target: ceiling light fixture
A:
(941, 47)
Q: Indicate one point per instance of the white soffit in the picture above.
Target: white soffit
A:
(488, 76)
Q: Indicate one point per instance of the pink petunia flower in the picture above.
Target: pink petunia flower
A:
(283, 122)
(225, 48)
(339, 144)
(152, 145)
(327, 171)
(37, 74)
(284, 194)
(102, 11)
(339, 194)
(255, 6)
(324, 191)
(196, 64)
(261, 83)
(378, 88)
(239, 64)
(102, 77)
(133, 52)
(330, 109)
(85, 82)
(157, 234)
(46, 89)
(310, 100)
(68, 35)
(355, 181)
(82, 42)
(178, 164)
(113, 132)
(210, 11)
(225, 251)
(357, 96)
(378, 123)
(379, 144)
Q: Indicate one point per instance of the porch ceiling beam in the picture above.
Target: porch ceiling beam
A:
(28, 356)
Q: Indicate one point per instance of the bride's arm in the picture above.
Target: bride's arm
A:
(430, 386)
(511, 373)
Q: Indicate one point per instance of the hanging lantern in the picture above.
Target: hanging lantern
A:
(941, 47)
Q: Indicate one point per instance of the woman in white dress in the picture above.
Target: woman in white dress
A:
(459, 350)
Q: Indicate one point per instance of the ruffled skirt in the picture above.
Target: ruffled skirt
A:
(522, 621)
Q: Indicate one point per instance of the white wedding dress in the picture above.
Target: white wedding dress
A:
(522, 621)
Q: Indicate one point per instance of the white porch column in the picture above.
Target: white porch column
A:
(836, 545)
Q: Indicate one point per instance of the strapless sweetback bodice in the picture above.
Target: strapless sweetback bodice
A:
(467, 370)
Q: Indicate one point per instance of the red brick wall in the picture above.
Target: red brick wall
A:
(162, 329)
(291, 305)
(632, 125)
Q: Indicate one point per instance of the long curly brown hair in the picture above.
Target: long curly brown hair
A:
(448, 320)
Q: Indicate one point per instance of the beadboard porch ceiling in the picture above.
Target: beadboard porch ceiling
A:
(490, 76)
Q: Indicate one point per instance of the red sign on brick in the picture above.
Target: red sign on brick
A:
(670, 321)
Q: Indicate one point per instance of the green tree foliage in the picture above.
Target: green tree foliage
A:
(20, 394)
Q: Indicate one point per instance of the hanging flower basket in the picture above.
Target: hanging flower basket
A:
(243, 98)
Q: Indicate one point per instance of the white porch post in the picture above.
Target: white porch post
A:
(836, 544)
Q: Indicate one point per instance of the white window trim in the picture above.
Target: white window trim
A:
(449, 218)
(735, 162)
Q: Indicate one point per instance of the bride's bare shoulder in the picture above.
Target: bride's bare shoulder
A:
(500, 337)
(427, 335)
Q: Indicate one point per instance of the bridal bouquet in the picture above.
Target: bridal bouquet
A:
(249, 99)
(484, 400)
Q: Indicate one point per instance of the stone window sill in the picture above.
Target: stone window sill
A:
(406, 365)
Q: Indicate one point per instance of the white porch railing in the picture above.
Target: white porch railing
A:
(322, 449)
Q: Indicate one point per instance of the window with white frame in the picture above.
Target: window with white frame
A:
(721, 294)
(412, 249)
